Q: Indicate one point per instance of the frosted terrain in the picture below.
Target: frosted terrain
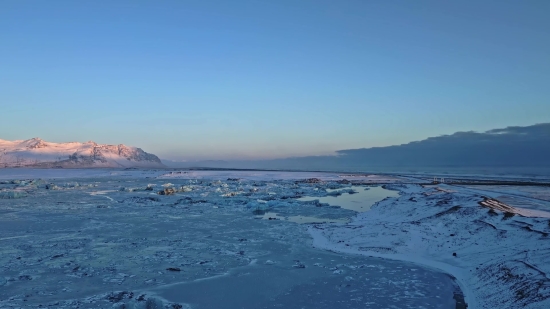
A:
(228, 239)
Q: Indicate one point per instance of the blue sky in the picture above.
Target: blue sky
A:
(264, 79)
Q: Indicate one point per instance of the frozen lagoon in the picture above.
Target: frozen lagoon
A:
(102, 240)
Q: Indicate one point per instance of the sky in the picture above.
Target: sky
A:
(252, 79)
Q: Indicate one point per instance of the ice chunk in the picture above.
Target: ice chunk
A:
(123, 300)
(72, 184)
(12, 194)
(230, 194)
(186, 189)
(52, 186)
(167, 191)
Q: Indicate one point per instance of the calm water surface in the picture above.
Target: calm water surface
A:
(360, 201)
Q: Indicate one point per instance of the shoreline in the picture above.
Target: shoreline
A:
(490, 254)
(321, 242)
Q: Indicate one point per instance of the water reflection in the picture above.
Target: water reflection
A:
(360, 201)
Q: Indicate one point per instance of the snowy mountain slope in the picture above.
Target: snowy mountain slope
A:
(35, 152)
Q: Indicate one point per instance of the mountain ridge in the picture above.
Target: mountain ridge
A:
(35, 152)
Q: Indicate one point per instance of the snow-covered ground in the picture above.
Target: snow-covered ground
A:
(197, 239)
(500, 259)
(130, 238)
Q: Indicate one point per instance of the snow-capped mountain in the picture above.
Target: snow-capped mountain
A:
(35, 152)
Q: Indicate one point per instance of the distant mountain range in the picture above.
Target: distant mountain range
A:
(35, 152)
(525, 149)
